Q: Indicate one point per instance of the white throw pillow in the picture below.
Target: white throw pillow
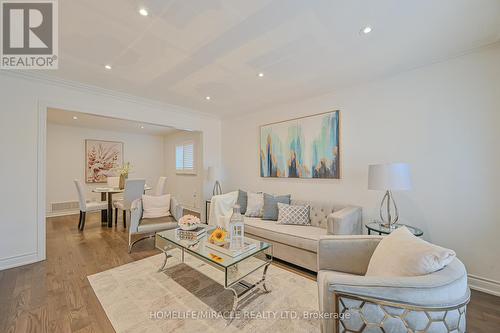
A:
(155, 206)
(255, 204)
(403, 254)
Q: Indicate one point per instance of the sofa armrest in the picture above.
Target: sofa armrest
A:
(347, 254)
(135, 215)
(347, 221)
(447, 287)
(176, 209)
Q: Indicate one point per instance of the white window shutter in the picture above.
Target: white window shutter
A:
(184, 158)
(179, 157)
(189, 157)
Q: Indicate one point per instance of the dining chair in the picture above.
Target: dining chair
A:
(134, 188)
(160, 187)
(86, 206)
(113, 182)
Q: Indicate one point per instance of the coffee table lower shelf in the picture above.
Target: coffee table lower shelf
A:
(233, 277)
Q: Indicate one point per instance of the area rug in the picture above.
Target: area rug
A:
(186, 297)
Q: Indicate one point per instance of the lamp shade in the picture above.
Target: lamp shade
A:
(211, 173)
(391, 176)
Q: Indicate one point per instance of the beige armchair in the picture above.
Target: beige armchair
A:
(140, 226)
(431, 303)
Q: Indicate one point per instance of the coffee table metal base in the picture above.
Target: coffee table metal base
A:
(248, 288)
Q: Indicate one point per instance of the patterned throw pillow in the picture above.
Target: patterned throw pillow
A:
(255, 204)
(290, 214)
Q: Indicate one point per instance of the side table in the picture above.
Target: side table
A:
(382, 230)
(207, 204)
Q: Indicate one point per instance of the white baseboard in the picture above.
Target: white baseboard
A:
(20, 260)
(485, 285)
(63, 213)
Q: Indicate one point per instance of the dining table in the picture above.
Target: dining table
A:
(107, 195)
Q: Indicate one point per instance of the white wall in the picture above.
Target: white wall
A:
(185, 187)
(443, 119)
(23, 101)
(66, 159)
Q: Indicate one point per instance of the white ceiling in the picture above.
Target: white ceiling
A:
(63, 117)
(188, 49)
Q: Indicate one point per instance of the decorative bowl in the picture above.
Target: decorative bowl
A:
(189, 222)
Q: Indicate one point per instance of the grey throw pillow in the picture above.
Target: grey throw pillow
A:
(242, 201)
(290, 214)
(270, 210)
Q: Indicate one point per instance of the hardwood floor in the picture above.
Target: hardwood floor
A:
(55, 295)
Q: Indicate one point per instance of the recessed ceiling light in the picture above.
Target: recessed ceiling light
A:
(108, 67)
(142, 126)
(143, 12)
(207, 98)
(75, 117)
(366, 30)
(261, 74)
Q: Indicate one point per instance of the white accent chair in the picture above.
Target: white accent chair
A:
(434, 302)
(134, 188)
(142, 226)
(85, 205)
(160, 187)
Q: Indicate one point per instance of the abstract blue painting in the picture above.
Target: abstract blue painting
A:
(306, 147)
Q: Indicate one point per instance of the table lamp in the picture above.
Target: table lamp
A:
(389, 177)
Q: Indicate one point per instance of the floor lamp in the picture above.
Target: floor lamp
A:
(211, 177)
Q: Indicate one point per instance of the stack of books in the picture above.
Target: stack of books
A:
(191, 235)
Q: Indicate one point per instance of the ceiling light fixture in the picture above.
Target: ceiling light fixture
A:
(261, 74)
(142, 126)
(143, 12)
(366, 30)
(207, 98)
(75, 117)
(108, 67)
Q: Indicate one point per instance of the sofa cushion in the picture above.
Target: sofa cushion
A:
(255, 204)
(270, 209)
(155, 206)
(403, 254)
(157, 224)
(292, 214)
(242, 201)
(303, 237)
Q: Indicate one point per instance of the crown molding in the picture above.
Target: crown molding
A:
(87, 88)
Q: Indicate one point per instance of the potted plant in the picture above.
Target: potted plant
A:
(124, 171)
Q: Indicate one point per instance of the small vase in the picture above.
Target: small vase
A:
(122, 181)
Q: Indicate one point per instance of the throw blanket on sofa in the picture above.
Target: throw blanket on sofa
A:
(221, 208)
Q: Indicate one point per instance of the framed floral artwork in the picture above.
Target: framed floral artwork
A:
(101, 158)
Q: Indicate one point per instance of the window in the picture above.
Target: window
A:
(184, 158)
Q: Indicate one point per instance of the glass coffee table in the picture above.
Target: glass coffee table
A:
(235, 268)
